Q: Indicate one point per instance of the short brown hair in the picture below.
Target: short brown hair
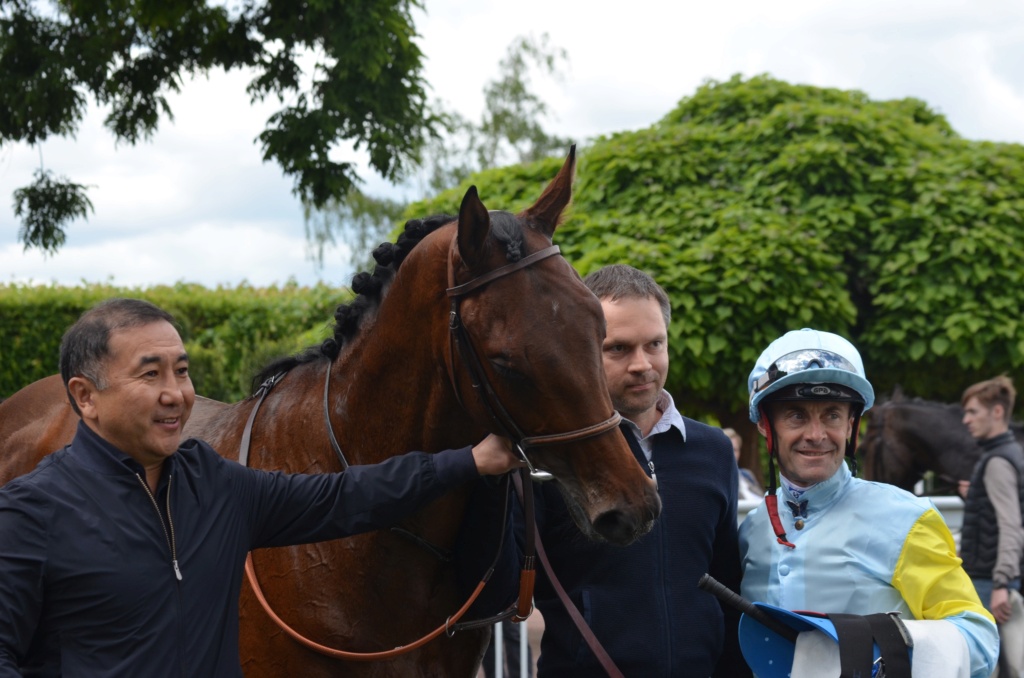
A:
(991, 392)
(619, 281)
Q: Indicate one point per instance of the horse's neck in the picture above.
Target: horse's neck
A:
(393, 392)
(939, 440)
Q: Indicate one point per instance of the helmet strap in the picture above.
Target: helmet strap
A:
(771, 501)
(851, 444)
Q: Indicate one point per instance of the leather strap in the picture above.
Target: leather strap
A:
(459, 290)
(342, 654)
(857, 638)
(856, 646)
(573, 436)
(250, 571)
(588, 636)
(895, 651)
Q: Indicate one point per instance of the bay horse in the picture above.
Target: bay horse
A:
(906, 437)
(396, 383)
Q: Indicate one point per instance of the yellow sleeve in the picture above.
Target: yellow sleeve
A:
(929, 575)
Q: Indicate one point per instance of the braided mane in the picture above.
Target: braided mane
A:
(370, 288)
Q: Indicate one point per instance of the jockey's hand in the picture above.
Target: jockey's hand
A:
(494, 456)
(962, 487)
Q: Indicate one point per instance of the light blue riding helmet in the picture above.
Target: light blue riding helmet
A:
(809, 357)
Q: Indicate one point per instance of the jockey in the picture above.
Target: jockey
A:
(841, 545)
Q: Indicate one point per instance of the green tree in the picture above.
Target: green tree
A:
(763, 206)
(510, 130)
(364, 90)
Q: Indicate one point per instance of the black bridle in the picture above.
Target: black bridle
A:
(460, 342)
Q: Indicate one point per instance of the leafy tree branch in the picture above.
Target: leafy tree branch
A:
(365, 90)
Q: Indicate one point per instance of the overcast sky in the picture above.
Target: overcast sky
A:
(196, 203)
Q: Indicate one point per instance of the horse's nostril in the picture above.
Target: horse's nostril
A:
(624, 527)
(616, 527)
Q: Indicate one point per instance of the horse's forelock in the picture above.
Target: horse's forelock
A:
(508, 230)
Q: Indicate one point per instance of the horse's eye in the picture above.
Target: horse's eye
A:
(506, 371)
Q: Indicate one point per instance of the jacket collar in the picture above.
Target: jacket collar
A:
(995, 441)
(95, 453)
(822, 495)
(670, 418)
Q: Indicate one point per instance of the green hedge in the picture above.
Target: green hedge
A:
(229, 332)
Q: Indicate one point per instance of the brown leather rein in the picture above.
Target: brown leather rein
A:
(458, 340)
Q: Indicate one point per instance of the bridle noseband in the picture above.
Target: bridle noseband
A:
(459, 341)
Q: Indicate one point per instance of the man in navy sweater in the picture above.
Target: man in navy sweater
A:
(642, 601)
(122, 554)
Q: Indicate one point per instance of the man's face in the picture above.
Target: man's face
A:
(148, 395)
(983, 422)
(811, 437)
(635, 355)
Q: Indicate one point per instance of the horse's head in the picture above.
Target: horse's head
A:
(526, 360)
(886, 457)
(906, 437)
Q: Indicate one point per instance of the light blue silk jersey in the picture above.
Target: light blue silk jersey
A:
(863, 548)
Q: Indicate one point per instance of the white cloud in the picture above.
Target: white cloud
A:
(210, 253)
(197, 203)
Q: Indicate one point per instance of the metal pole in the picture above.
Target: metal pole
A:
(499, 650)
(524, 647)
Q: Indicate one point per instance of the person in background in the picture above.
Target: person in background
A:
(748, 488)
(642, 601)
(992, 537)
(122, 553)
(832, 543)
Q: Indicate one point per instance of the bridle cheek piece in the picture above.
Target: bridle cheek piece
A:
(460, 342)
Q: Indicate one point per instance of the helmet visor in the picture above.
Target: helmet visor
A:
(800, 361)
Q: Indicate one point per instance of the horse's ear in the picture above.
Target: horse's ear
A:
(546, 213)
(897, 394)
(474, 225)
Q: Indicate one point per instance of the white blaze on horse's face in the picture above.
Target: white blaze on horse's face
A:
(811, 437)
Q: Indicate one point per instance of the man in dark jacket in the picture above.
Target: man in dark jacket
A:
(642, 601)
(122, 553)
(992, 537)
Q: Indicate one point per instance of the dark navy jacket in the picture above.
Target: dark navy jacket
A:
(85, 565)
(642, 601)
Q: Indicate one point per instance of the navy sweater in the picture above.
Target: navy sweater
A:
(87, 578)
(642, 601)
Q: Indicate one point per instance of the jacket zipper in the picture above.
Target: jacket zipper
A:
(169, 536)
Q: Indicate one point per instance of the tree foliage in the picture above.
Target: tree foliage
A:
(763, 206)
(45, 203)
(230, 333)
(510, 130)
(364, 90)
